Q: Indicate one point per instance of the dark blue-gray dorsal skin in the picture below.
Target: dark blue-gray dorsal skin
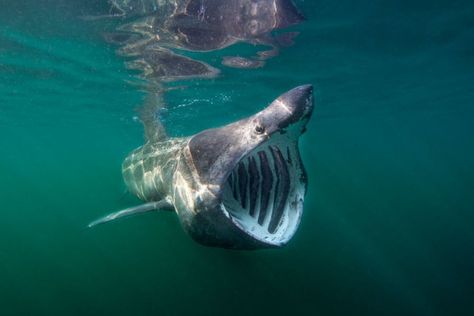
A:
(240, 186)
(153, 29)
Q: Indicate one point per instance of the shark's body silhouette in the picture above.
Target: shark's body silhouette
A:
(239, 186)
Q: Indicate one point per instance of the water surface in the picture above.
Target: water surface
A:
(388, 222)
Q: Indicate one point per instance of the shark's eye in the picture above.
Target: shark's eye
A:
(259, 129)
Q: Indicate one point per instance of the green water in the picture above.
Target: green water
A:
(388, 227)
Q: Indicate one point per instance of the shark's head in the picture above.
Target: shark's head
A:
(248, 179)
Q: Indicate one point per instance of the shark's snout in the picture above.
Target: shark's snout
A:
(295, 106)
(298, 99)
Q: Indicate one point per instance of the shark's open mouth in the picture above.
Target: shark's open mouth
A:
(264, 193)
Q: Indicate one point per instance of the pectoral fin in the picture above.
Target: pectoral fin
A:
(147, 207)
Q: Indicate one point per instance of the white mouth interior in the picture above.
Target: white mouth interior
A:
(264, 193)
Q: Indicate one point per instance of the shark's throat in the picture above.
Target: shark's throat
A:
(264, 194)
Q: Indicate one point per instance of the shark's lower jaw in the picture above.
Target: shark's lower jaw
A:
(264, 193)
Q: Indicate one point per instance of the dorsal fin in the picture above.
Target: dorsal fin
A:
(149, 112)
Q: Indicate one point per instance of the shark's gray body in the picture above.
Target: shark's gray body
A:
(240, 186)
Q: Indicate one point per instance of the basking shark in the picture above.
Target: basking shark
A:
(240, 186)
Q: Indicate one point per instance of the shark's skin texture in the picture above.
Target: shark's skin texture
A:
(240, 186)
(153, 30)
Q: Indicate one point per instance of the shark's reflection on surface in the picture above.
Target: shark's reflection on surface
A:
(154, 31)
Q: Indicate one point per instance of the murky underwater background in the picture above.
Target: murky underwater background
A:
(388, 227)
